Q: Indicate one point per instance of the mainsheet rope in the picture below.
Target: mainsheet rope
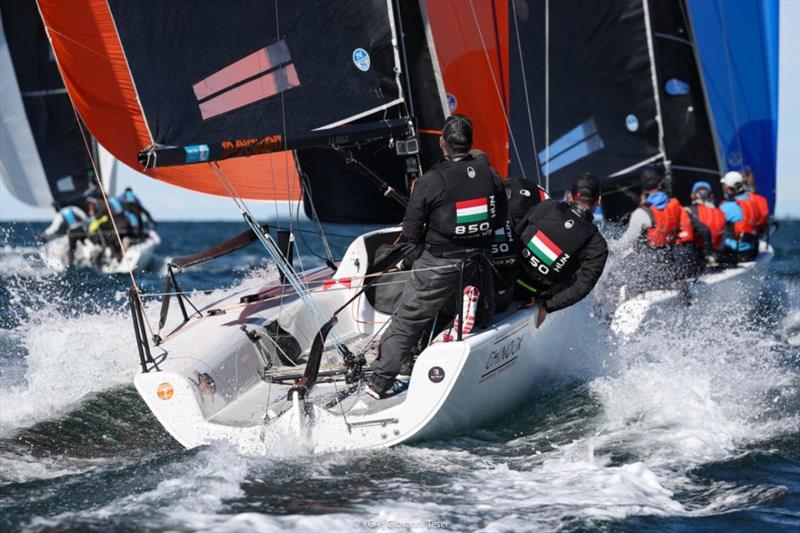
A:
(103, 193)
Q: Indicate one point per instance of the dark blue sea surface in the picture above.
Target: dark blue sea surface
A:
(691, 428)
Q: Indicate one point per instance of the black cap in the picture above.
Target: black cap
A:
(457, 132)
(587, 186)
(651, 179)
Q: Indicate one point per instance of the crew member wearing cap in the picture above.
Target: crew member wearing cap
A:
(453, 211)
(562, 253)
(656, 243)
(742, 215)
(708, 222)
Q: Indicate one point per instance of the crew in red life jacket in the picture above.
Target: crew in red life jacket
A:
(657, 239)
(562, 253)
(708, 223)
(742, 215)
(763, 204)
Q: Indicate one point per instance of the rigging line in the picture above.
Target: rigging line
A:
(546, 96)
(654, 79)
(102, 188)
(306, 187)
(527, 98)
(728, 61)
(497, 88)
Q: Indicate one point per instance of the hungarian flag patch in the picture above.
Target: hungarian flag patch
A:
(469, 211)
(543, 248)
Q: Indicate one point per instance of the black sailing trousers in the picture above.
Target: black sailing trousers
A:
(435, 281)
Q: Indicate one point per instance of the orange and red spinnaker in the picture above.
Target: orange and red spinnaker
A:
(472, 48)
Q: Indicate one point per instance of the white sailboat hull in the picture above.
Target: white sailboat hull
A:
(55, 254)
(208, 387)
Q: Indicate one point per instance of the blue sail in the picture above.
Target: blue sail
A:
(737, 44)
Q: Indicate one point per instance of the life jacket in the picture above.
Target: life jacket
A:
(69, 216)
(522, 195)
(763, 208)
(550, 246)
(714, 219)
(470, 212)
(751, 217)
(670, 225)
(115, 204)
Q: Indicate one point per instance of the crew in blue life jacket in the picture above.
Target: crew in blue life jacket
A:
(136, 212)
(742, 217)
(70, 221)
(67, 218)
(453, 211)
(562, 252)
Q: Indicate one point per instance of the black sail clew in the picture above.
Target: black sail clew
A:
(52, 122)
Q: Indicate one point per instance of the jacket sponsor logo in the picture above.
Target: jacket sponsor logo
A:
(471, 172)
(569, 223)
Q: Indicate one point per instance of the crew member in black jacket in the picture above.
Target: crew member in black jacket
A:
(561, 251)
(453, 211)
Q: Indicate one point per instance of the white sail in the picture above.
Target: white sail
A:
(20, 166)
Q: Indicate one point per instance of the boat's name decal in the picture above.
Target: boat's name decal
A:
(503, 353)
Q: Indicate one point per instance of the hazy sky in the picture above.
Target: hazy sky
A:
(172, 203)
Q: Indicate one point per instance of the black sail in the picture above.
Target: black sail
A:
(598, 75)
(688, 136)
(57, 169)
(248, 69)
(336, 187)
(600, 108)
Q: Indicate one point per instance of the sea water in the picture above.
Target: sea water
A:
(682, 428)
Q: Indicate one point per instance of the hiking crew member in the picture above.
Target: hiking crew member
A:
(67, 218)
(656, 242)
(453, 211)
(71, 221)
(763, 204)
(742, 215)
(522, 196)
(708, 223)
(562, 252)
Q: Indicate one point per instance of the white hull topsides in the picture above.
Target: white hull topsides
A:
(55, 254)
(209, 387)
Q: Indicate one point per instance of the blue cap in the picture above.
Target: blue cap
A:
(701, 185)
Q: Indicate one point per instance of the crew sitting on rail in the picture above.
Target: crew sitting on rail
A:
(133, 208)
(562, 252)
(708, 223)
(67, 218)
(742, 216)
(763, 204)
(71, 221)
(655, 247)
(523, 195)
(453, 211)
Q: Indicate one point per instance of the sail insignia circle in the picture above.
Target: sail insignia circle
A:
(361, 59)
(632, 123)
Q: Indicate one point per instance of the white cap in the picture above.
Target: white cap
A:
(732, 179)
